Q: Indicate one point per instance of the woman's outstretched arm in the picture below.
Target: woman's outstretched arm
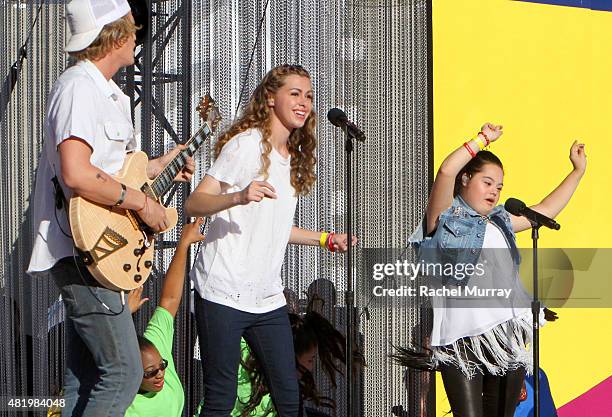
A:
(554, 202)
(207, 199)
(311, 238)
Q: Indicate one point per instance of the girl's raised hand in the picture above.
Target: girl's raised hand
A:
(578, 156)
(491, 131)
(191, 232)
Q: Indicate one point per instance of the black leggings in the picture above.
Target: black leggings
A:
(484, 395)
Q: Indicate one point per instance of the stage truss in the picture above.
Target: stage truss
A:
(371, 58)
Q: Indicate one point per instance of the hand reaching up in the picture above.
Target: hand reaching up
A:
(191, 232)
(578, 157)
(491, 131)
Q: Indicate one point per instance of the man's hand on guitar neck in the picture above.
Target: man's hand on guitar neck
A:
(156, 165)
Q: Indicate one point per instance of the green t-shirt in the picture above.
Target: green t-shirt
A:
(170, 400)
(244, 392)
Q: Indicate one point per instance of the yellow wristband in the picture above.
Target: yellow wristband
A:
(481, 143)
(323, 240)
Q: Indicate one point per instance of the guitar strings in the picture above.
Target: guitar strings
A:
(164, 174)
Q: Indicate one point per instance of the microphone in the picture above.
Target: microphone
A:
(338, 118)
(518, 208)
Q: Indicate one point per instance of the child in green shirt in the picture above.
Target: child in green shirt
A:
(161, 393)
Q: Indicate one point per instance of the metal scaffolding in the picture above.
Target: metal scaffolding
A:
(370, 57)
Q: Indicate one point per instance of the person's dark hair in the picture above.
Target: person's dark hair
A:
(322, 289)
(475, 165)
(144, 343)
(311, 330)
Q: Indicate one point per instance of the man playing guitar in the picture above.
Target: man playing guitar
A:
(88, 131)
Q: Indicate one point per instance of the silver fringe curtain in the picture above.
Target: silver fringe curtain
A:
(31, 359)
(368, 57)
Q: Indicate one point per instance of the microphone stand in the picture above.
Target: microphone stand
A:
(535, 310)
(349, 294)
(9, 82)
(11, 79)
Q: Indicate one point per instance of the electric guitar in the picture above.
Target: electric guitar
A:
(115, 244)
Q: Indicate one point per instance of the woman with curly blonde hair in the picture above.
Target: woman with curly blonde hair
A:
(264, 161)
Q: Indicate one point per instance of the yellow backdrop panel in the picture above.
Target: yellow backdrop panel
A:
(544, 73)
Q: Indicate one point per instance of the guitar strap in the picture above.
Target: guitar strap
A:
(60, 202)
(60, 197)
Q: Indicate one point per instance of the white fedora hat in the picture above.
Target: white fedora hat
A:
(86, 18)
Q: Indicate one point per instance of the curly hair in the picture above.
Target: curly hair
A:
(302, 141)
(113, 35)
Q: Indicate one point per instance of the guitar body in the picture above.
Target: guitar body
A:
(113, 243)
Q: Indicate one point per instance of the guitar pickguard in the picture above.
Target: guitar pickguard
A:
(108, 243)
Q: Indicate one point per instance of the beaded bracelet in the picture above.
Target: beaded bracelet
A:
(486, 138)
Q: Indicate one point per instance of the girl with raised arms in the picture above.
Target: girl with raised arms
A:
(481, 352)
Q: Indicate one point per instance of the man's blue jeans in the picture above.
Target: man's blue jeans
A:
(269, 337)
(103, 364)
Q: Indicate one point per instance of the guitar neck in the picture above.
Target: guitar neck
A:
(163, 182)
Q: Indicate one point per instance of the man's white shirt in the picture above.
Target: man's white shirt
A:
(85, 105)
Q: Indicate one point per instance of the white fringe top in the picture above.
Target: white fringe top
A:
(475, 339)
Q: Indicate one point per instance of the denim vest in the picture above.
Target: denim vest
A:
(460, 235)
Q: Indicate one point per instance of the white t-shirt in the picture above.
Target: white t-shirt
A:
(84, 104)
(239, 264)
(452, 324)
